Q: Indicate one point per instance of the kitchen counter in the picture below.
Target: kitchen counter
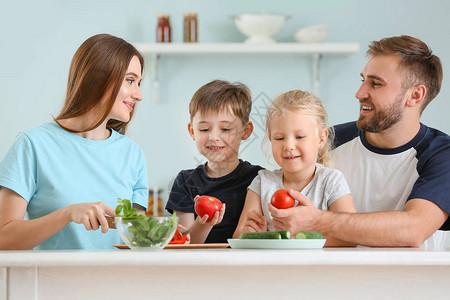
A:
(331, 273)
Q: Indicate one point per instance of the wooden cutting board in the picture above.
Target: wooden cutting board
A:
(186, 246)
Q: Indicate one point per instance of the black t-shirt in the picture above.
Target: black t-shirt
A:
(231, 189)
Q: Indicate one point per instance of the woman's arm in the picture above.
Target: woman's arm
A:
(252, 218)
(19, 234)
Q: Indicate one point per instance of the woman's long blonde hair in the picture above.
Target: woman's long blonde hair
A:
(304, 102)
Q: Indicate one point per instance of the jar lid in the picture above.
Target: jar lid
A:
(190, 14)
(164, 16)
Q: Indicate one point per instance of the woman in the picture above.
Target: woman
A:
(66, 175)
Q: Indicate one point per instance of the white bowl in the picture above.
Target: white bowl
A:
(312, 34)
(259, 27)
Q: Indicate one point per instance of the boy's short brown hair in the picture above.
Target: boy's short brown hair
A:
(219, 94)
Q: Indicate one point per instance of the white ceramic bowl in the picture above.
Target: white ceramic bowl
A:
(146, 233)
(312, 34)
(259, 28)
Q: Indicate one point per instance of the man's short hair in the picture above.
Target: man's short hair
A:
(420, 66)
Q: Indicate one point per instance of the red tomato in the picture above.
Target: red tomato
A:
(178, 238)
(281, 199)
(207, 205)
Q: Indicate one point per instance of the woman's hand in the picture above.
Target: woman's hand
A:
(255, 222)
(91, 215)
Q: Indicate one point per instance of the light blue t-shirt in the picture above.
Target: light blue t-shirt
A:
(52, 168)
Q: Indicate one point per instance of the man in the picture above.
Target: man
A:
(398, 169)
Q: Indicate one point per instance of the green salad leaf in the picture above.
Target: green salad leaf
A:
(145, 231)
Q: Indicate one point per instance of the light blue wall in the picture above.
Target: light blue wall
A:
(38, 39)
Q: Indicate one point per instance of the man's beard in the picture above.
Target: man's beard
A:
(383, 119)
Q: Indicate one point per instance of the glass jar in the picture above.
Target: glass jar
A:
(190, 27)
(163, 30)
(155, 208)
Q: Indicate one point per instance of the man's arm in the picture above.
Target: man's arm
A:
(408, 228)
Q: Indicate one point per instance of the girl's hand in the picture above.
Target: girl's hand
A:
(255, 222)
(91, 215)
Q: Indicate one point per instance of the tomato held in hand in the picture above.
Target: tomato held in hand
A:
(207, 205)
(281, 199)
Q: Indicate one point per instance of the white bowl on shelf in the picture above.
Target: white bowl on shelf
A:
(259, 28)
(312, 34)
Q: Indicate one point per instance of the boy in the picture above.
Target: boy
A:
(219, 113)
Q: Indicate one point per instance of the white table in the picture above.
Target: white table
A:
(334, 273)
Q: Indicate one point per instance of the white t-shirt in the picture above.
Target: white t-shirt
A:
(327, 186)
(385, 179)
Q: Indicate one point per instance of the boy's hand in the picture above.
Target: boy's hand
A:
(218, 216)
(255, 222)
(185, 232)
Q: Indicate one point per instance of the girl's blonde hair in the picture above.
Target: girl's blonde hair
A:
(304, 102)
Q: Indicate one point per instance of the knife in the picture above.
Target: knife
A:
(111, 222)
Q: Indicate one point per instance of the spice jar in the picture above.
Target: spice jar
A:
(163, 31)
(155, 207)
(190, 27)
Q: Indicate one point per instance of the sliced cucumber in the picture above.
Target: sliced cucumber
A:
(285, 234)
(309, 235)
(261, 235)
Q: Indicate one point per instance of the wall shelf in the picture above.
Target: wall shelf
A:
(316, 50)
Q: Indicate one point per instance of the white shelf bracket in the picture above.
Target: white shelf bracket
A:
(317, 59)
(154, 73)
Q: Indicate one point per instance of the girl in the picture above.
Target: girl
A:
(296, 127)
(72, 170)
